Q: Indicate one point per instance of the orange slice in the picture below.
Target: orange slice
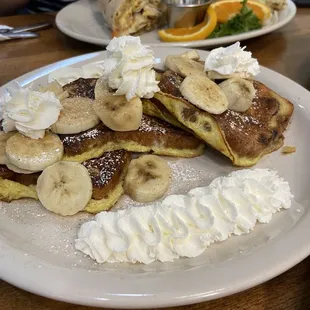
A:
(226, 9)
(198, 32)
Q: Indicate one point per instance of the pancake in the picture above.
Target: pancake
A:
(243, 137)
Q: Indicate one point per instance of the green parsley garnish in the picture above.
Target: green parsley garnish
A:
(244, 21)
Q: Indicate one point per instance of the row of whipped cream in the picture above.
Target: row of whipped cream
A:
(185, 225)
(129, 67)
(128, 70)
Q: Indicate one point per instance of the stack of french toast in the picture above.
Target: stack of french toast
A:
(171, 125)
(105, 153)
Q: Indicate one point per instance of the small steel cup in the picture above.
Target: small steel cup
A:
(186, 13)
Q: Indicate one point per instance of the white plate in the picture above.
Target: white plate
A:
(83, 21)
(36, 247)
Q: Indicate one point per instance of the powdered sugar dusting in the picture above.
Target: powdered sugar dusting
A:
(36, 231)
(93, 133)
(104, 168)
(26, 225)
(151, 125)
(185, 175)
(241, 121)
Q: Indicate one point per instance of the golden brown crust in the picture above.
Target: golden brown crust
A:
(152, 132)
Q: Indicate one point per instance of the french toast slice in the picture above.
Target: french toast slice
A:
(242, 137)
(155, 108)
(153, 136)
(107, 174)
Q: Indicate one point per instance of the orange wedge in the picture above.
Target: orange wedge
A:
(198, 32)
(226, 9)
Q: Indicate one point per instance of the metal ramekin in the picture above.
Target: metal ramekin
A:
(186, 13)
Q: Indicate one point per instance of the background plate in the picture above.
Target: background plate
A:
(83, 21)
(37, 252)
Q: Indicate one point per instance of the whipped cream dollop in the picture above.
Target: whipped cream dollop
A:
(69, 74)
(129, 68)
(185, 225)
(232, 60)
(29, 112)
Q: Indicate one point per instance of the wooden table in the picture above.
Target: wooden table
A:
(286, 51)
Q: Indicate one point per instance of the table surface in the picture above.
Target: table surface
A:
(286, 51)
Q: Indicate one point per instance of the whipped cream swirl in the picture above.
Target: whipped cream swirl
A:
(185, 225)
(232, 60)
(29, 112)
(128, 68)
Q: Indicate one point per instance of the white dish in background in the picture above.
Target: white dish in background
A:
(83, 21)
(37, 249)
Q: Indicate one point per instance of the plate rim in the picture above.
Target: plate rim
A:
(291, 8)
(301, 246)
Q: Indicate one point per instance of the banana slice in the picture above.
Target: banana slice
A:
(18, 170)
(204, 94)
(147, 179)
(35, 155)
(239, 92)
(119, 114)
(184, 66)
(56, 88)
(192, 54)
(64, 188)
(115, 111)
(77, 115)
(4, 136)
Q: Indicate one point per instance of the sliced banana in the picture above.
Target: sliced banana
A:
(147, 179)
(56, 88)
(4, 136)
(77, 115)
(18, 170)
(204, 94)
(239, 92)
(184, 66)
(115, 111)
(192, 54)
(35, 155)
(64, 188)
(119, 114)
